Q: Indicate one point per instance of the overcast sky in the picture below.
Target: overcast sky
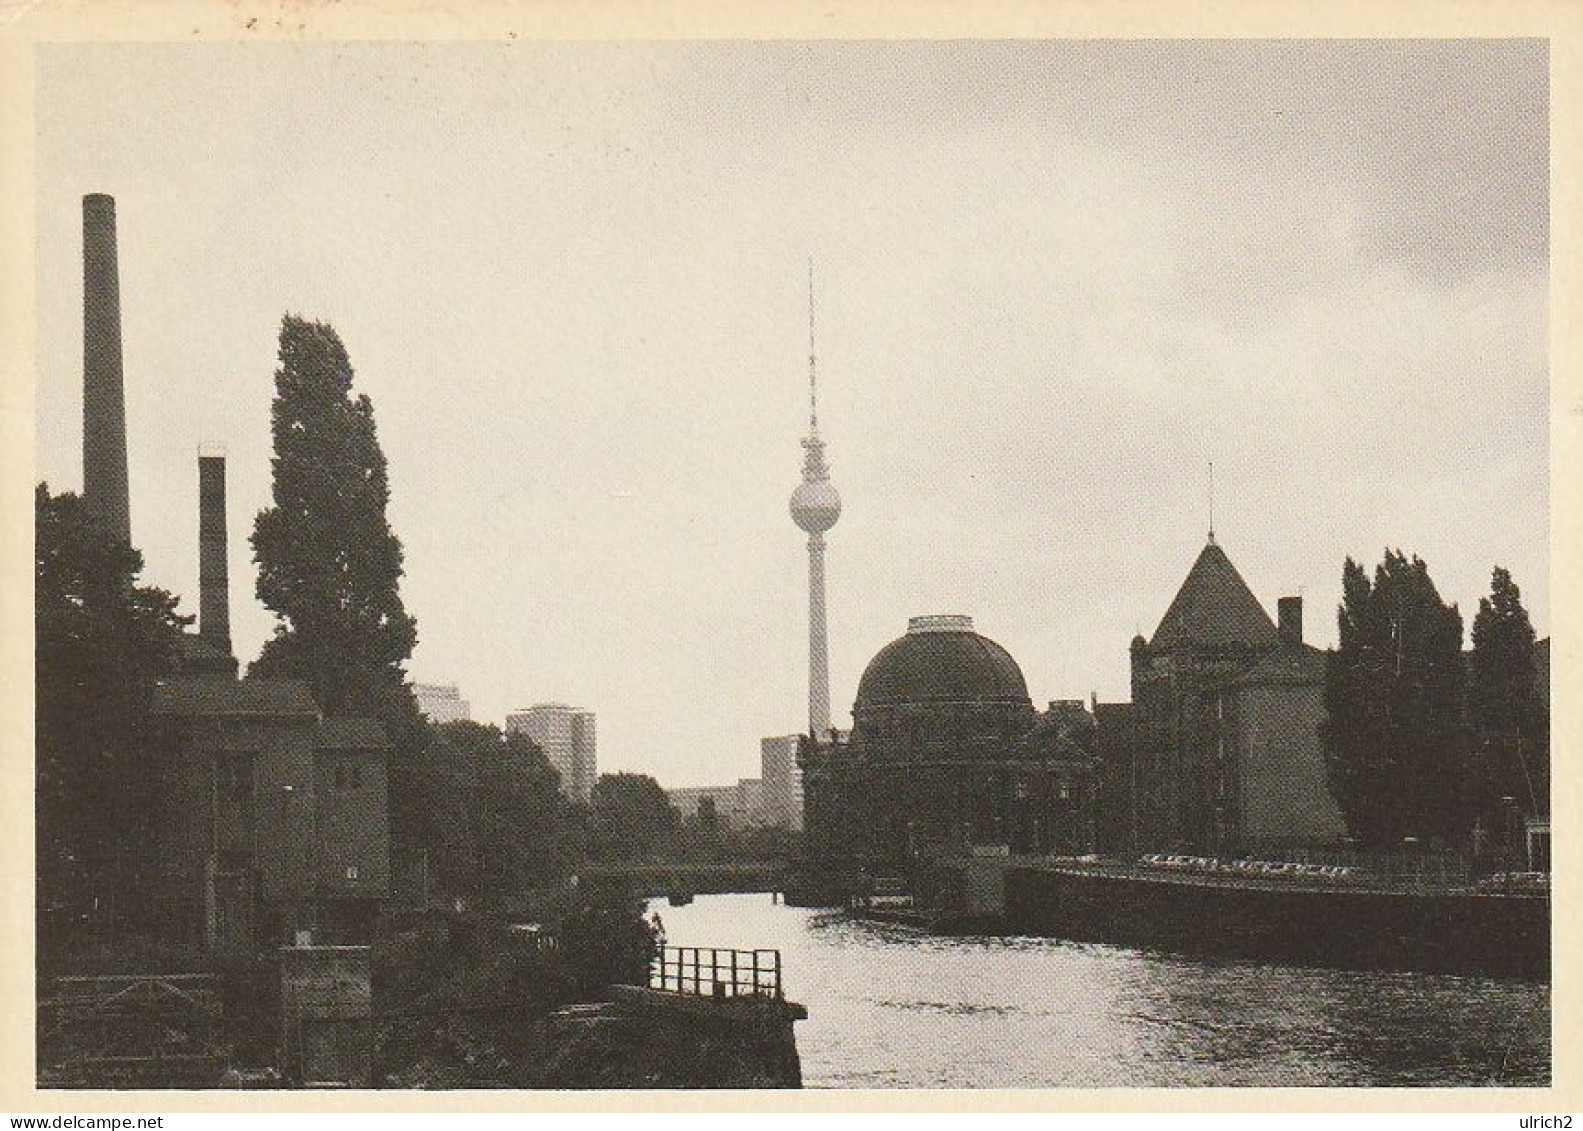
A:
(1055, 280)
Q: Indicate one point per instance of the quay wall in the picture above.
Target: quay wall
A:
(646, 1038)
(1443, 931)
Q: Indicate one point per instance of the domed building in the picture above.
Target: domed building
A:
(947, 754)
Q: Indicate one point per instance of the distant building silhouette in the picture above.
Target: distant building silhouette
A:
(442, 702)
(567, 737)
(739, 806)
(689, 798)
(772, 800)
(782, 779)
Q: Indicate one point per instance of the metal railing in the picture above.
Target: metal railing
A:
(130, 1030)
(1283, 875)
(708, 971)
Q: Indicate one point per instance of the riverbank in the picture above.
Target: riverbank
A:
(1342, 918)
(455, 1000)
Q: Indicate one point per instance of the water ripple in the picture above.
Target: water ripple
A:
(892, 1007)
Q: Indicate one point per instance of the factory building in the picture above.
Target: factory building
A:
(272, 818)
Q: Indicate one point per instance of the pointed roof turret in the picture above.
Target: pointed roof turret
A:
(1214, 606)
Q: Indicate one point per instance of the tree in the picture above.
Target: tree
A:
(504, 826)
(606, 941)
(702, 836)
(100, 643)
(1506, 708)
(329, 565)
(633, 819)
(1395, 741)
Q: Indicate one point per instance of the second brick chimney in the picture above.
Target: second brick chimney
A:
(1289, 620)
(214, 590)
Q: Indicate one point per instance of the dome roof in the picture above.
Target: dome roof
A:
(941, 660)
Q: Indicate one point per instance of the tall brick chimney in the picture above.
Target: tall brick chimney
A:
(1289, 619)
(214, 592)
(104, 485)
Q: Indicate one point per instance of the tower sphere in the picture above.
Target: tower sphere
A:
(815, 505)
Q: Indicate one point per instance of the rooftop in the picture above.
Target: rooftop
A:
(1214, 606)
(342, 732)
(941, 660)
(200, 696)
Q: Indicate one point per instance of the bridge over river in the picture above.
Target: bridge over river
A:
(688, 879)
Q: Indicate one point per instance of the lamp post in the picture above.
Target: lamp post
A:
(1508, 837)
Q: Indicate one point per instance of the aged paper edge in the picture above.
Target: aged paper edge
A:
(26, 24)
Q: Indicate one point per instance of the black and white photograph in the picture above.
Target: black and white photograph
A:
(878, 563)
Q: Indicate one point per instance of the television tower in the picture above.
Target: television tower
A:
(815, 507)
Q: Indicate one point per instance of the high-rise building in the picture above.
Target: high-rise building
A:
(442, 702)
(815, 507)
(567, 737)
(782, 779)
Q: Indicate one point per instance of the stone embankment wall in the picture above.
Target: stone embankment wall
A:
(1444, 930)
(650, 1039)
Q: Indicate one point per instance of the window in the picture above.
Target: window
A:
(351, 873)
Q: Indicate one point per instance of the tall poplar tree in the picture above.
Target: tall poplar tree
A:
(329, 565)
(1506, 708)
(1395, 740)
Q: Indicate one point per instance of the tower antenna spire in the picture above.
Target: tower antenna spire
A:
(1211, 500)
(813, 382)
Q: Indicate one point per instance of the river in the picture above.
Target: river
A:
(891, 1007)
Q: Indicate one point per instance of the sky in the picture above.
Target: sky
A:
(1054, 282)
